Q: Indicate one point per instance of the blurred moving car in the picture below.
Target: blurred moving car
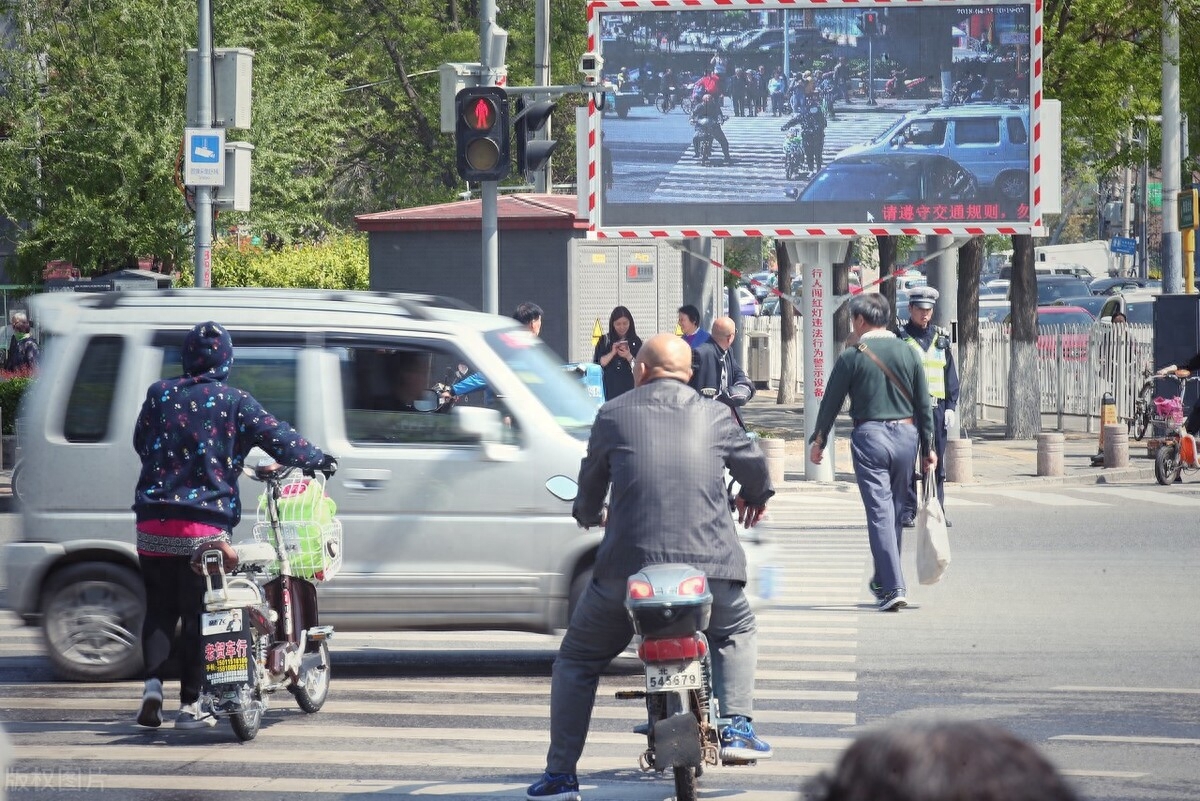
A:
(891, 177)
(455, 520)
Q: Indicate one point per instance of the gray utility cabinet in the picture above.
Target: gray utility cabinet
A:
(644, 275)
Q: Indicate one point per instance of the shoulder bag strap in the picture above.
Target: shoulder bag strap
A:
(863, 349)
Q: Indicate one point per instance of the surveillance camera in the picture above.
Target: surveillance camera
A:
(590, 65)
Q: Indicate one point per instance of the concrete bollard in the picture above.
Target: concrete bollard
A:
(1116, 446)
(958, 461)
(1050, 453)
(773, 449)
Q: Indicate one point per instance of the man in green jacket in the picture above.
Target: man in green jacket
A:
(882, 375)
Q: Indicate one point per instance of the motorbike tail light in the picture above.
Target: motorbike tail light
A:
(639, 589)
(692, 586)
(673, 649)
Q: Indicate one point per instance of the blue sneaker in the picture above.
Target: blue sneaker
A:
(894, 601)
(740, 744)
(554, 787)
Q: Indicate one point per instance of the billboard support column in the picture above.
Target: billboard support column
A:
(696, 279)
(942, 275)
(815, 260)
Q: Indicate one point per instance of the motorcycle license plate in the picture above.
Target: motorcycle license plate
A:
(224, 622)
(678, 676)
(225, 649)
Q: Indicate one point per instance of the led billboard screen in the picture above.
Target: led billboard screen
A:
(740, 117)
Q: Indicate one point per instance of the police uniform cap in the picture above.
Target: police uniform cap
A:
(923, 297)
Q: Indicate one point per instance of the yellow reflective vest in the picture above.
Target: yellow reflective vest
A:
(934, 360)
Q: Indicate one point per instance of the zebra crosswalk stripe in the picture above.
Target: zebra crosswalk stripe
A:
(756, 146)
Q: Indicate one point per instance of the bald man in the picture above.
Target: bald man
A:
(718, 375)
(662, 449)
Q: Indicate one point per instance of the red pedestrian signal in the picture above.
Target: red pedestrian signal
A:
(869, 23)
(481, 114)
(481, 136)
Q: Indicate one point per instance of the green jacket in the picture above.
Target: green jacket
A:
(872, 395)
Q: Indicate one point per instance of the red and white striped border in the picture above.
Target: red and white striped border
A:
(596, 229)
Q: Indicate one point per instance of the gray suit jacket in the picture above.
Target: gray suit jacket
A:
(663, 448)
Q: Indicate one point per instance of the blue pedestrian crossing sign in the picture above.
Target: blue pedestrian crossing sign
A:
(204, 157)
(1123, 244)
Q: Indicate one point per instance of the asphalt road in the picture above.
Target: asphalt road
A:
(1065, 616)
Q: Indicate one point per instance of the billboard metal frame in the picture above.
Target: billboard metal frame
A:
(597, 228)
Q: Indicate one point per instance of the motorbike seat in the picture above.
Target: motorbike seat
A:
(255, 554)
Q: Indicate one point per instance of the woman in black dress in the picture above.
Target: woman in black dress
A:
(616, 351)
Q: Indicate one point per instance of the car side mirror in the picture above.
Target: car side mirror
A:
(427, 401)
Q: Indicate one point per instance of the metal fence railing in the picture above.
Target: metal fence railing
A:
(1076, 365)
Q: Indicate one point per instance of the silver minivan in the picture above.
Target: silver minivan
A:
(448, 518)
(990, 140)
(451, 520)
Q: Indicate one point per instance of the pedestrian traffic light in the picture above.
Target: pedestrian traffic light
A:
(481, 138)
(869, 23)
(531, 117)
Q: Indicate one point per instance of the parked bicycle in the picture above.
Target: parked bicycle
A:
(1143, 408)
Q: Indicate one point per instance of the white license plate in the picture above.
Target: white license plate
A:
(676, 676)
(224, 622)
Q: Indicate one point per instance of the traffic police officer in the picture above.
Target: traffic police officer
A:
(933, 346)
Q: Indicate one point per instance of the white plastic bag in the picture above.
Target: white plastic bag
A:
(933, 540)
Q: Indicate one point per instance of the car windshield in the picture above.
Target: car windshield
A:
(887, 135)
(537, 367)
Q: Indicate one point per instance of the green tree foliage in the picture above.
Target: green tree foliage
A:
(1104, 62)
(298, 119)
(339, 262)
(94, 94)
(91, 97)
(394, 153)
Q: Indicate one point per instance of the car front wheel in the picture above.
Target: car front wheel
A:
(1013, 186)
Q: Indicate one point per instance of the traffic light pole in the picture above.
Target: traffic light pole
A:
(490, 194)
(490, 190)
(203, 229)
